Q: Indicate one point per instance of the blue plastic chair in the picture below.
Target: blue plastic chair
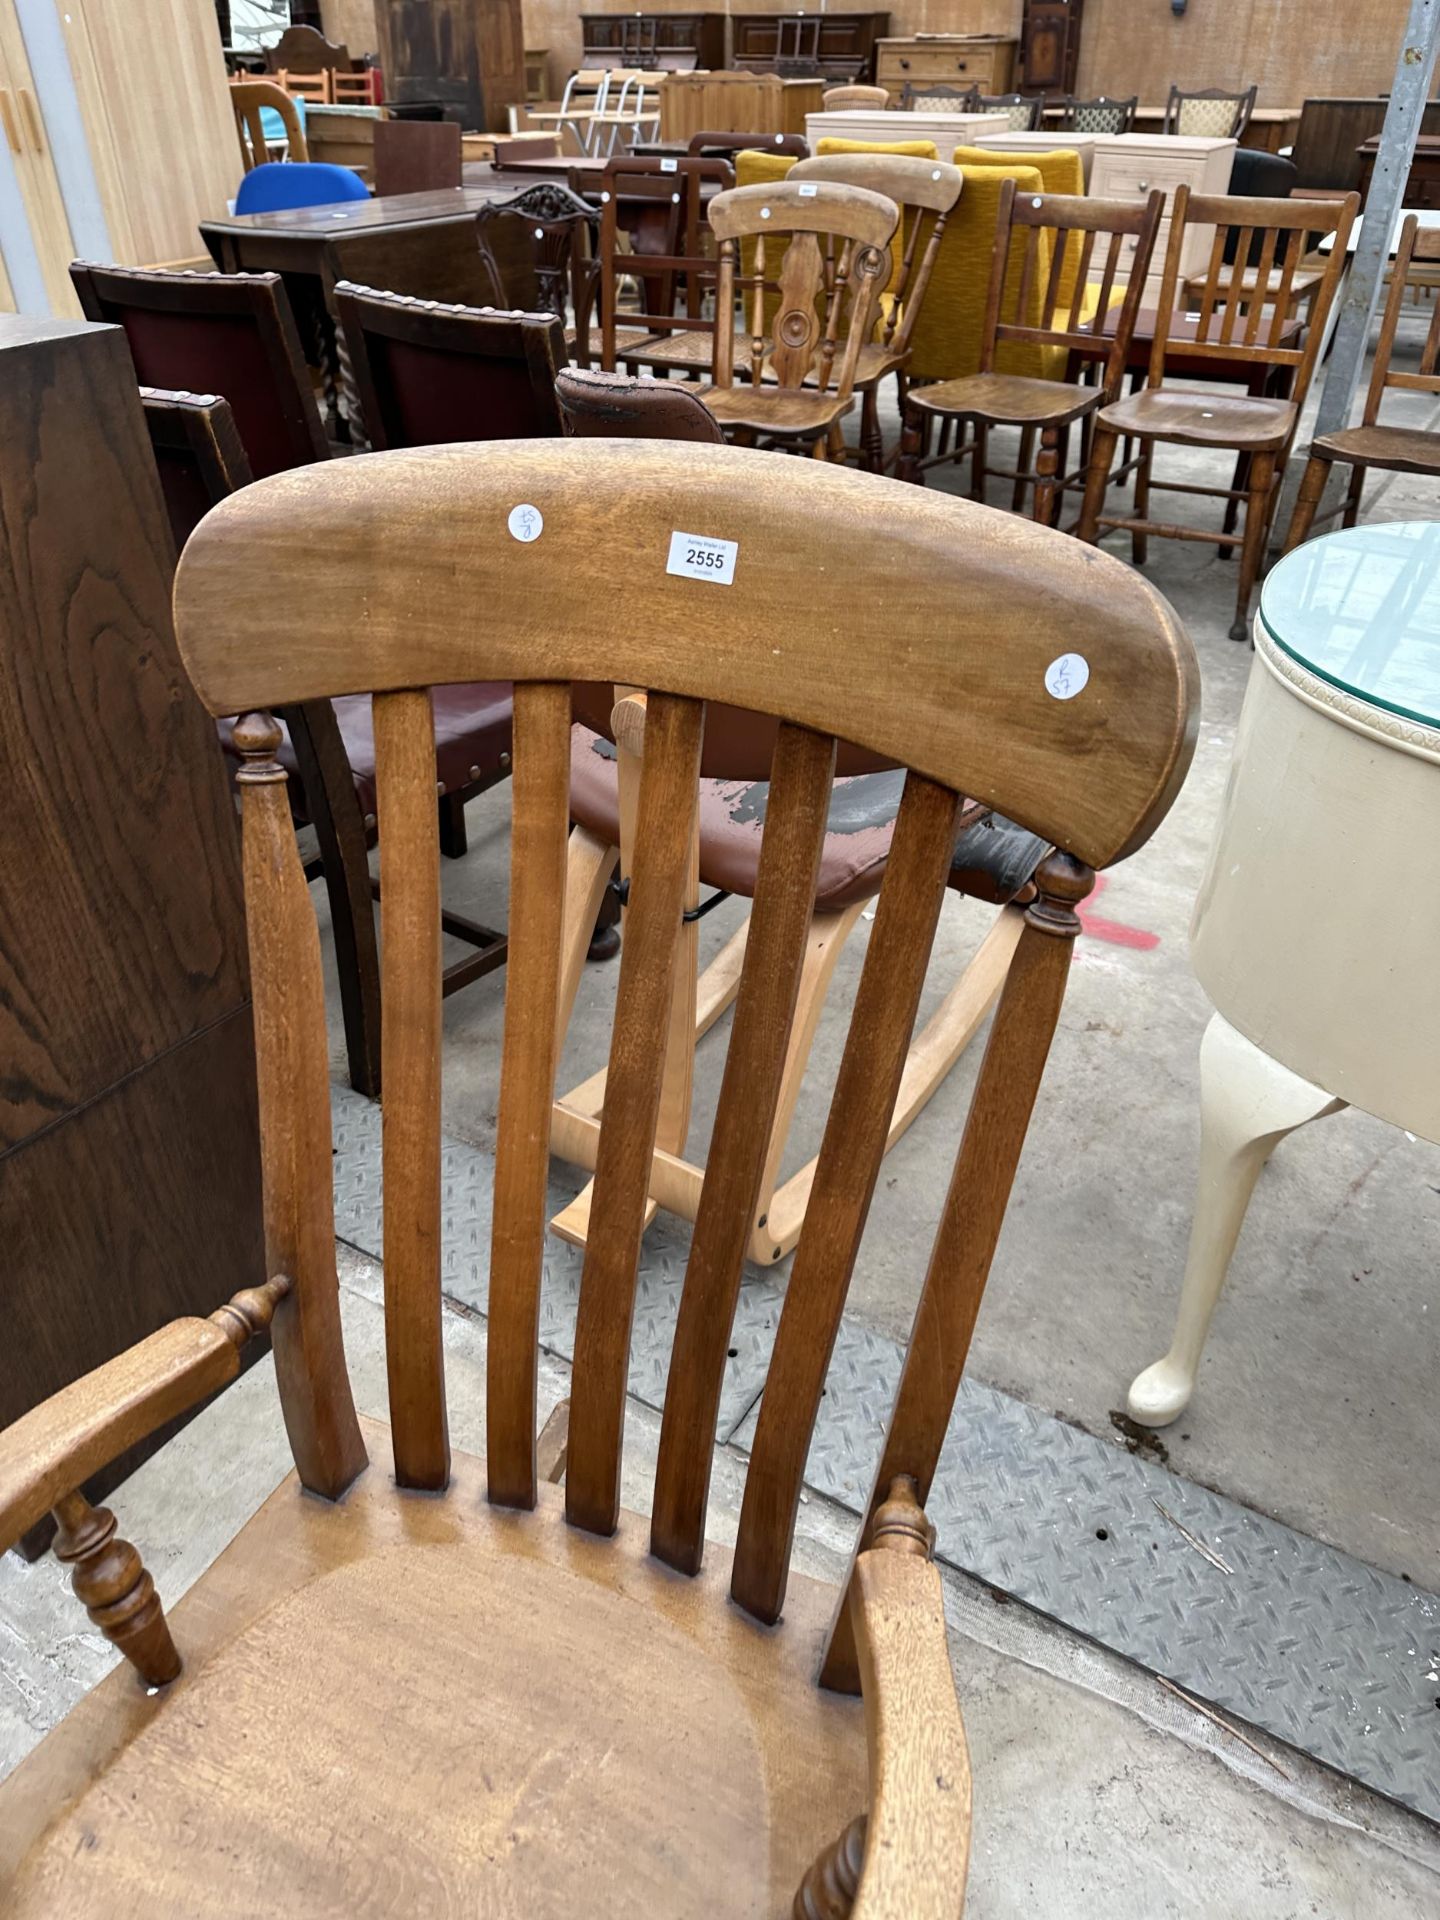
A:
(297, 183)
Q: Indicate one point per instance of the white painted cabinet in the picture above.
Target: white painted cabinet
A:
(116, 139)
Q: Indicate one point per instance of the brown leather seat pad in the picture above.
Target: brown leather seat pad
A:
(472, 739)
(732, 818)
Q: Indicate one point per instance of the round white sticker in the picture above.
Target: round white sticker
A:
(526, 522)
(1066, 677)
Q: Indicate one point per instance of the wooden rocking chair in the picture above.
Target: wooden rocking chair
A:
(467, 1691)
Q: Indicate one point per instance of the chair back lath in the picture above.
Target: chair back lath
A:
(548, 564)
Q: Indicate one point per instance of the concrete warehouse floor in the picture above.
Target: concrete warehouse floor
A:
(1096, 1792)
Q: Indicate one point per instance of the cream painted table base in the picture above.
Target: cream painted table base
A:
(1317, 927)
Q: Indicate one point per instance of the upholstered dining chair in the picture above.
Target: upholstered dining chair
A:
(1017, 112)
(838, 99)
(924, 96)
(1103, 114)
(462, 1681)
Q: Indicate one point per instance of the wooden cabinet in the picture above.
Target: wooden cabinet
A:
(840, 45)
(671, 42)
(1050, 45)
(467, 56)
(116, 139)
(1125, 166)
(948, 59)
(129, 1141)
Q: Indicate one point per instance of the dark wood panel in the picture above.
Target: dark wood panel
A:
(121, 924)
(1050, 45)
(1331, 132)
(467, 55)
(140, 1208)
(129, 1152)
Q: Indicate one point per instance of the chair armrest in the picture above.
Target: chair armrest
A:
(917, 1843)
(54, 1448)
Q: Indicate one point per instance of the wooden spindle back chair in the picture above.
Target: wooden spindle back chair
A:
(821, 258)
(925, 192)
(340, 1657)
(1243, 321)
(1392, 449)
(247, 98)
(656, 203)
(1057, 258)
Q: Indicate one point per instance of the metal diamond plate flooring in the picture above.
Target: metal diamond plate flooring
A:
(1313, 1646)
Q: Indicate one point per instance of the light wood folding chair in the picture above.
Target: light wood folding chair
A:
(463, 1685)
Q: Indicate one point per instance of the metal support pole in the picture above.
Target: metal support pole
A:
(1360, 290)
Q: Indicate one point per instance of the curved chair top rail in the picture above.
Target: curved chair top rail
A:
(816, 206)
(919, 626)
(912, 182)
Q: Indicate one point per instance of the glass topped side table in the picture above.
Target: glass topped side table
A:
(1316, 930)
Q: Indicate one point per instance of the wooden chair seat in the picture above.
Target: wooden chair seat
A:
(1000, 399)
(569, 1727)
(856, 849)
(798, 414)
(1400, 449)
(680, 350)
(1236, 421)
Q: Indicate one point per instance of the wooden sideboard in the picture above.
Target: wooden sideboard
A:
(841, 45)
(1331, 133)
(732, 102)
(1422, 183)
(671, 42)
(129, 1140)
(981, 60)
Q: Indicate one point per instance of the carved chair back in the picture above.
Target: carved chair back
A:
(821, 258)
(925, 191)
(1419, 255)
(1246, 295)
(541, 250)
(657, 201)
(1046, 241)
(428, 374)
(503, 562)
(231, 334)
(247, 98)
(1208, 112)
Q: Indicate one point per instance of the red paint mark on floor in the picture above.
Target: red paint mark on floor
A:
(1113, 932)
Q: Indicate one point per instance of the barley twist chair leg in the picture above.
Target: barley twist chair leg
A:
(828, 1890)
